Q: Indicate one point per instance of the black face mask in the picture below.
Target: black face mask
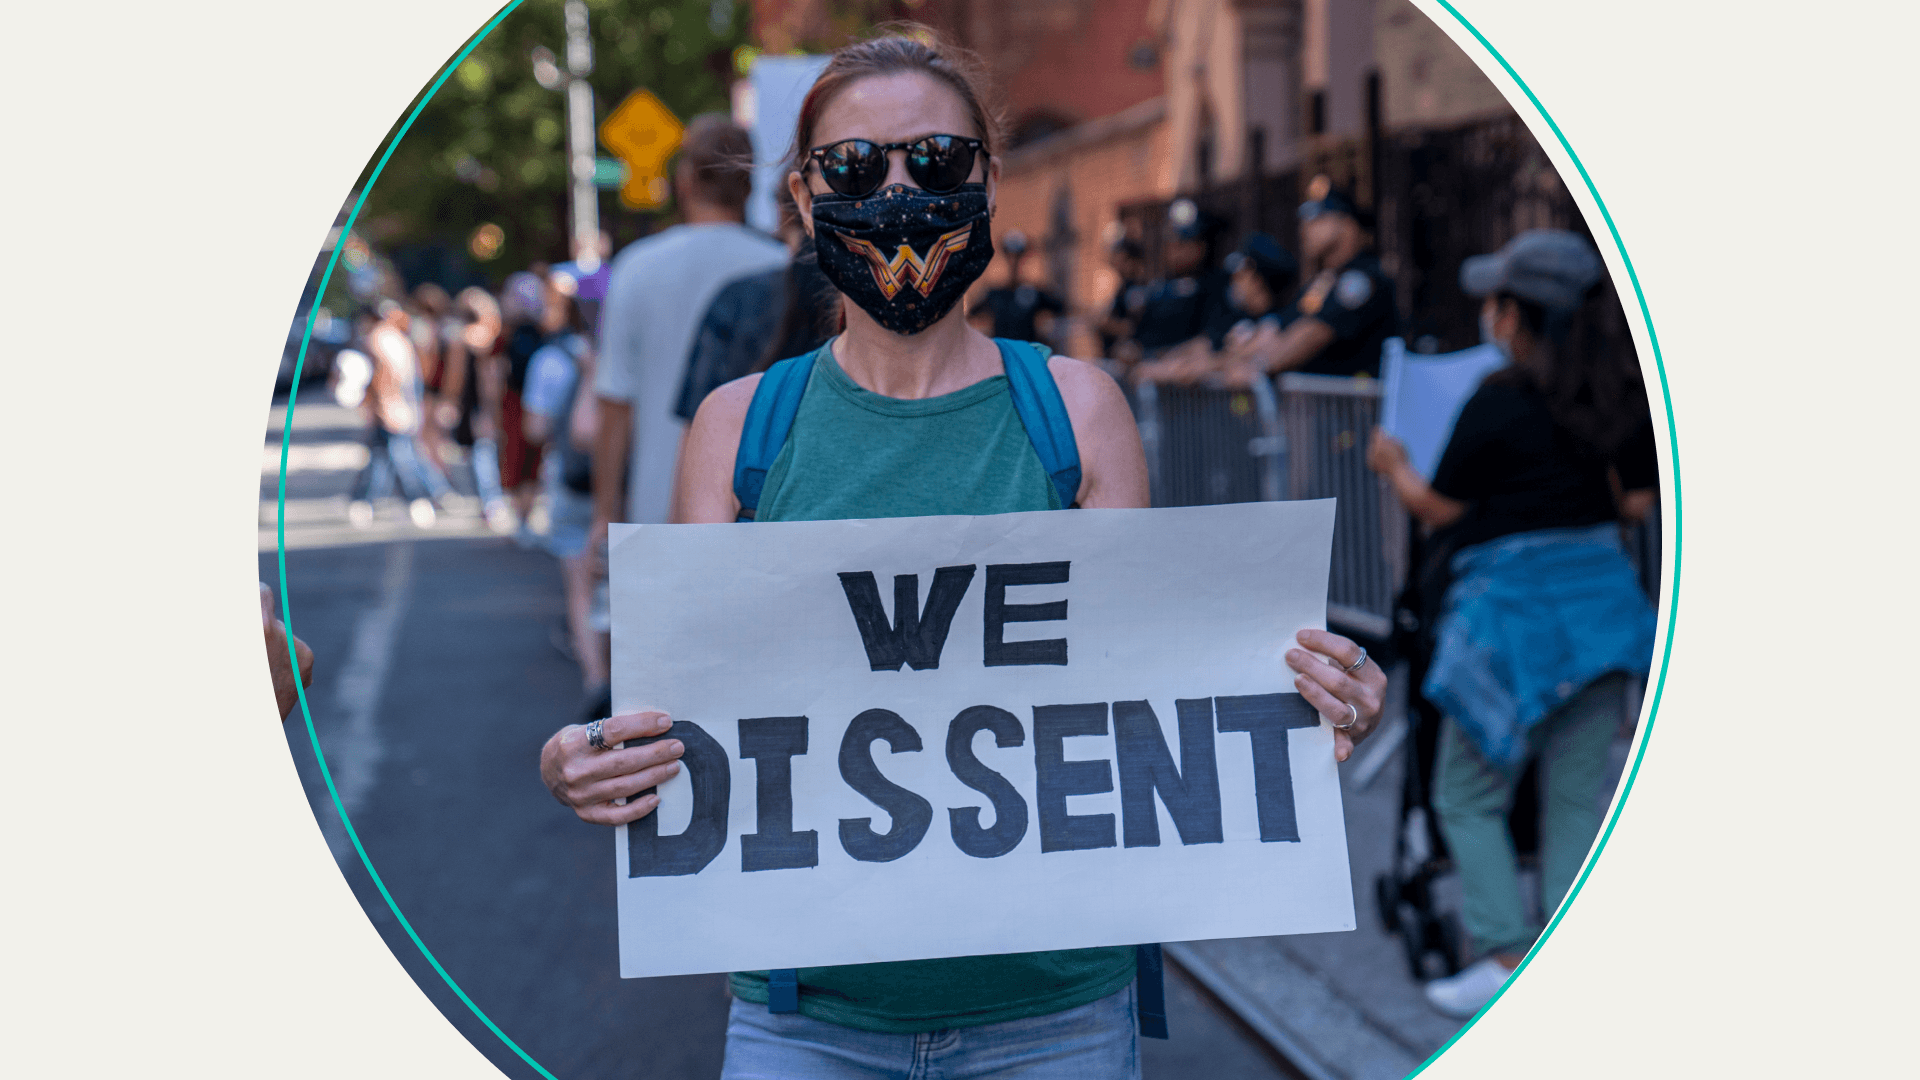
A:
(904, 255)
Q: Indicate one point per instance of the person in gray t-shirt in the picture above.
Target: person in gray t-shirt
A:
(658, 289)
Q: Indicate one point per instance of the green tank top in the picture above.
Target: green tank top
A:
(856, 454)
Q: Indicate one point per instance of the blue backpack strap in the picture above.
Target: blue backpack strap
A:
(783, 990)
(1038, 401)
(764, 432)
(1151, 991)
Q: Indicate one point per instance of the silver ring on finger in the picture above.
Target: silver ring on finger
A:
(1355, 710)
(1360, 663)
(597, 735)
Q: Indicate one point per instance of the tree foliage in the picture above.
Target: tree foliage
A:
(491, 145)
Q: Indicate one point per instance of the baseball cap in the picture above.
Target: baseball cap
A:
(1269, 259)
(1324, 198)
(1189, 221)
(1551, 267)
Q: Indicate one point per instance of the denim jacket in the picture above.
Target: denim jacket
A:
(1530, 620)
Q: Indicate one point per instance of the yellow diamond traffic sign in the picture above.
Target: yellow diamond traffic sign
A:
(644, 133)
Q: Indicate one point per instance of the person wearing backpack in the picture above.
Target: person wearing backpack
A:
(911, 412)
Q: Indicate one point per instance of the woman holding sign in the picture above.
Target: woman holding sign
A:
(911, 412)
(1545, 617)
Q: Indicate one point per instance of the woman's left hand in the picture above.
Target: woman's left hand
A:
(1348, 689)
(1385, 454)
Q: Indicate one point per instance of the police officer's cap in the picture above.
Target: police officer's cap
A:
(1331, 200)
(1551, 267)
(1189, 222)
(1271, 261)
(1014, 243)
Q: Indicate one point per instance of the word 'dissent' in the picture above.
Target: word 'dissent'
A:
(1144, 766)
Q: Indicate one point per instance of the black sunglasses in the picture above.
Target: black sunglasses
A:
(856, 168)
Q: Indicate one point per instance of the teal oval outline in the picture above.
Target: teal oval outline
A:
(1672, 582)
(280, 536)
(1672, 585)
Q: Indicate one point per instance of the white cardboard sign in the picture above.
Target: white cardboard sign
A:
(954, 736)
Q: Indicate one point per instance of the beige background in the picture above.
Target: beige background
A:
(172, 908)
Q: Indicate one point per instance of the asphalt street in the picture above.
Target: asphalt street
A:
(436, 682)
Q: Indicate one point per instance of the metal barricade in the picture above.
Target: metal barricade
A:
(1208, 445)
(1196, 438)
(1307, 439)
(1327, 420)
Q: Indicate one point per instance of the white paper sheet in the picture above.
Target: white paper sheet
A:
(1422, 395)
(724, 626)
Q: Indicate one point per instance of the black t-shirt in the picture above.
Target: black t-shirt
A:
(740, 325)
(1356, 302)
(1015, 311)
(1518, 471)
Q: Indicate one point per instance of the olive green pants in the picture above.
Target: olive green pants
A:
(1472, 798)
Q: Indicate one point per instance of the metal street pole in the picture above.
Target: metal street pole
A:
(580, 140)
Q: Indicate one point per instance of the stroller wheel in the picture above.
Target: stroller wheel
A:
(1386, 898)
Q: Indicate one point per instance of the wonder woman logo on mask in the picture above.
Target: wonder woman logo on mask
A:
(907, 267)
(904, 256)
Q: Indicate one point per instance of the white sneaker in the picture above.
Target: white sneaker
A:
(1462, 995)
(360, 514)
(422, 513)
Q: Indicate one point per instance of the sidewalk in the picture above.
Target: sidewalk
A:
(1341, 1006)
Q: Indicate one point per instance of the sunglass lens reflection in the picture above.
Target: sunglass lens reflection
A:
(854, 168)
(941, 163)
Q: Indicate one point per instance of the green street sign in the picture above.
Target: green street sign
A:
(609, 172)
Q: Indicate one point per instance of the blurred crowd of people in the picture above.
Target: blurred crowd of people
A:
(483, 400)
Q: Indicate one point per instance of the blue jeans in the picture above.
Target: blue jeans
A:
(396, 458)
(1095, 1041)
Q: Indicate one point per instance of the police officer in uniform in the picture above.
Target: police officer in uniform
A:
(1018, 307)
(1336, 325)
(1260, 277)
(1345, 312)
(1191, 300)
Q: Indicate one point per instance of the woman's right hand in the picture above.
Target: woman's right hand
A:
(588, 780)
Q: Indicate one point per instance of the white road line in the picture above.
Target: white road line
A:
(313, 457)
(354, 750)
